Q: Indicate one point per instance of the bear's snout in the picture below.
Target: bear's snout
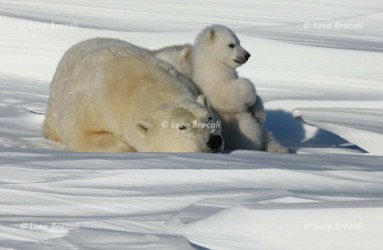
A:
(214, 142)
(243, 58)
(247, 55)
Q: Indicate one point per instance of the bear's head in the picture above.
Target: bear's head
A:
(219, 44)
(185, 126)
(179, 56)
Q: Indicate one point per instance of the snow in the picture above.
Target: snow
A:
(324, 99)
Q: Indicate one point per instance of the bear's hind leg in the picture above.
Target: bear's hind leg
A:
(272, 145)
(242, 132)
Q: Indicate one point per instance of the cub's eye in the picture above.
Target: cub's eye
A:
(210, 117)
(231, 45)
(182, 127)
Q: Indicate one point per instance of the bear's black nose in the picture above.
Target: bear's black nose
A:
(215, 142)
(247, 55)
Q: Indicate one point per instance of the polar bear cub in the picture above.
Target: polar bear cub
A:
(216, 54)
(179, 56)
(108, 95)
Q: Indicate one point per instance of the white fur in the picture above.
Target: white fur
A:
(214, 70)
(216, 54)
(111, 96)
(242, 131)
(179, 56)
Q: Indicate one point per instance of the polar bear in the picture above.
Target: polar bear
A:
(179, 56)
(108, 95)
(216, 54)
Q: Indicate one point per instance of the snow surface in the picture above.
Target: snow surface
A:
(323, 89)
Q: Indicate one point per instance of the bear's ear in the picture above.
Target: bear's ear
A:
(211, 33)
(201, 99)
(143, 127)
(186, 53)
(208, 34)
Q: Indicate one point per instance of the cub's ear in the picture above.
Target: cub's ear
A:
(211, 34)
(186, 53)
(143, 127)
(201, 99)
(208, 34)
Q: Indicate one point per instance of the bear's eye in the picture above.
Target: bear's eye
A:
(231, 45)
(210, 117)
(182, 127)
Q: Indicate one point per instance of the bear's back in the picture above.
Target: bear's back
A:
(85, 58)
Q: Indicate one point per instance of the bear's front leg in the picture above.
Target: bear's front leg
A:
(258, 110)
(247, 92)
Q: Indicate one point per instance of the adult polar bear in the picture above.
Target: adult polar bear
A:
(110, 96)
(216, 54)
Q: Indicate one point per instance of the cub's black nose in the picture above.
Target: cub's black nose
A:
(215, 142)
(247, 55)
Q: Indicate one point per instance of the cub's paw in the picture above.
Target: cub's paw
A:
(276, 148)
(247, 90)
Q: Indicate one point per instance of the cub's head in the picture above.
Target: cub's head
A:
(219, 44)
(179, 56)
(187, 126)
